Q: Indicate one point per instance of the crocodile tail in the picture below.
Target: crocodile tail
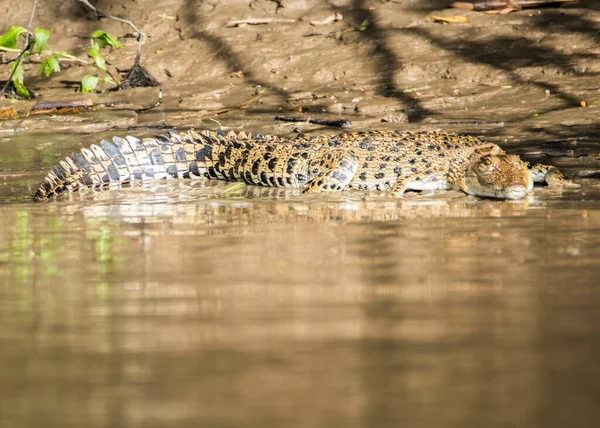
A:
(128, 160)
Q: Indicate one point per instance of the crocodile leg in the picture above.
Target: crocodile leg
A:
(399, 188)
(546, 174)
(332, 171)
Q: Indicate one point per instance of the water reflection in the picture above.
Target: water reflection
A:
(210, 305)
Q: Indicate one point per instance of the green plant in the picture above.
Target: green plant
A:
(51, 62)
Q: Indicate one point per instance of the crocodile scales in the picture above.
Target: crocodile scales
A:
(392, 161)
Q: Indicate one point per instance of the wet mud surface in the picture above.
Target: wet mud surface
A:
(207, 303)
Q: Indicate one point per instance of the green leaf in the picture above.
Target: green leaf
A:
(18, 79)
(363, 25)
(94, 52)
(49, 65)
(108, 79)
(105, 39)
(41, 38)
(88, 83)
(9, 39)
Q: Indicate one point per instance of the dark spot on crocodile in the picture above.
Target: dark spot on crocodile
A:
(400, 144)
(272, 181)
(344, 164)
(290, 166)
(369, 158)
(280, 181)
(339, 176)
(163, 139)
(156, 157)
(332, 186)
(222, 159)
(423, 160)
(365, 165)
(236, 144)
(271, 164)
(396, 159)
(255, 166)
(304, 155)
(382, 165)
(418, 152)
(363, 176)
(385, 158)
(269, 148)
(428, 172)
(249, 146)
(263, 178)
(220, 133)
(204, 154)
(414, 170)
(172, 171)
(267, 156)
(417, 144)
(180, 155)
(379, 175)
(60, 172)
(397, 170)
(441, 155)
(412, 161)
(137, 174)
(320, 183)
(193, 169)
(247, 177)
(212, 173)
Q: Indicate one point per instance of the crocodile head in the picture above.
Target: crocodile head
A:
(498, 176)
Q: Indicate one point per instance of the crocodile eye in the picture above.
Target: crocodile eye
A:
(487, 161)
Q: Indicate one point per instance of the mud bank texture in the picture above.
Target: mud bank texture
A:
(520, 78)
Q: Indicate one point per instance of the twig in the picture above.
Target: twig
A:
(216, 112)
(499, 4)
(344, 123)
(258, 21)
(231, 108)
(28, 43)
(101, 14)
(331, 18)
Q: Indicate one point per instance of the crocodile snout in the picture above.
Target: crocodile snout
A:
(514, 191)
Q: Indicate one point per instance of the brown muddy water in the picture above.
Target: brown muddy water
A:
(217, 305)
(212, 304)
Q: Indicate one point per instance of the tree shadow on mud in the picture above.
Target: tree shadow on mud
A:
(220, 48)
(387, 62)
(510, 53)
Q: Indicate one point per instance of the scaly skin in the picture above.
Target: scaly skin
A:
(394, 161)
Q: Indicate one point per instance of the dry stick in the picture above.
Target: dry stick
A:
(491, 5)
(343, 123)
(27, 46)
(101, 14)
(259, 21)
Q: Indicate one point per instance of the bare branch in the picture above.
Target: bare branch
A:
(101, 14)
(28, 43)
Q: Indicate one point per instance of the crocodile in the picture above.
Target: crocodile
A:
(392, 161)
